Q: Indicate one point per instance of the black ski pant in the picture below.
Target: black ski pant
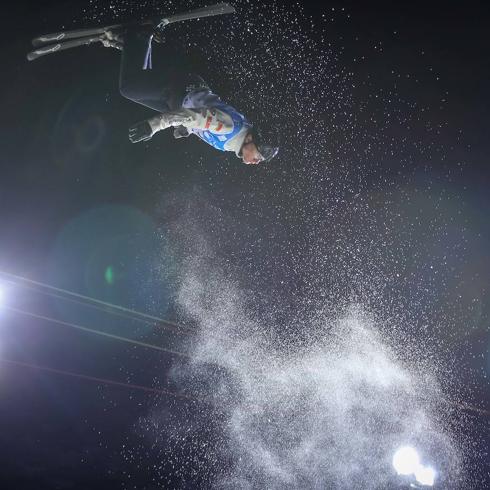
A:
(161, 87)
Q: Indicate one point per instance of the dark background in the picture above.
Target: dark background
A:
(70, 179)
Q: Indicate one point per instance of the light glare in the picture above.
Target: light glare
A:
(425, 475)
(406, 460)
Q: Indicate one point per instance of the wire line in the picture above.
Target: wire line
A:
(96, 332)
(104, 381)
(108, 310)
(104, 304)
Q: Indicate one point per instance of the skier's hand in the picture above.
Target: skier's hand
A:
(141, 131)
(181, 132)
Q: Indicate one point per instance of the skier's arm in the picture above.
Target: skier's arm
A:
(210, 119)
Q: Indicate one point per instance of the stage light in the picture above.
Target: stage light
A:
(406, 460)
(425, 475)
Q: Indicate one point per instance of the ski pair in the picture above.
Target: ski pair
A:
(60, 41)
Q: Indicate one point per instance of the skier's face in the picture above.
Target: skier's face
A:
(250, 154)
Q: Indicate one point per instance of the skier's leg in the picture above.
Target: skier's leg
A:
(164, 86)
(138, 80)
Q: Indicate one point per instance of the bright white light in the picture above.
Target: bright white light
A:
(406, 460)
(425, 475)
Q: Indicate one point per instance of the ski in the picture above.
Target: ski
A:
(73, 43)
(211, 11)
(56, 37)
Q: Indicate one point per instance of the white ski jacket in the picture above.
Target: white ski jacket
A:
(204, 114)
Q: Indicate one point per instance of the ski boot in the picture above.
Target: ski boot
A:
(113, 39)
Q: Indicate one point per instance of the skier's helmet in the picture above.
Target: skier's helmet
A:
(266, 141)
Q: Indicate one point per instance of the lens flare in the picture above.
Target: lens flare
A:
(109, 275)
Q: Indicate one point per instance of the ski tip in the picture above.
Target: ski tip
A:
(224, 8)
(34, 55)
(38, 42)
(229, 8)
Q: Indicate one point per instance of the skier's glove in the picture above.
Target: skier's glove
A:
(181, 132)
(141, 131)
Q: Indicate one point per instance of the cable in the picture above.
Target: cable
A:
(93, 302)
(104, 309)
(97, 380)
(96, 332)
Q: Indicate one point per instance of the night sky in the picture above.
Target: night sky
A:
(331, 305)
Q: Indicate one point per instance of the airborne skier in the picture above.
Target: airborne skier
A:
(184, 101)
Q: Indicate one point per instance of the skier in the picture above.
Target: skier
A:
(184, 100)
